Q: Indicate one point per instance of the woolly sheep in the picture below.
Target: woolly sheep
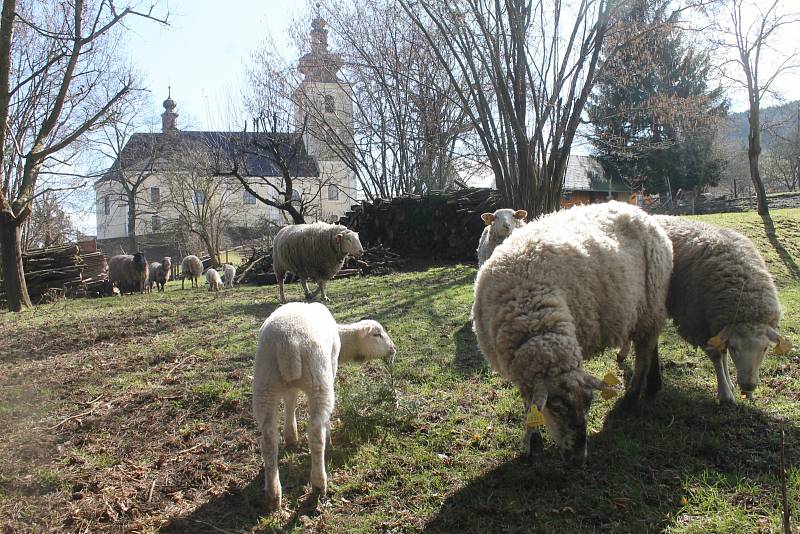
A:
(499, 225)
(128, 272)
(720, 287)
(191, 267)
(562, 289)
(230, 273)
(214, 280)
(312, 251)
(299, 349)
(159, 274)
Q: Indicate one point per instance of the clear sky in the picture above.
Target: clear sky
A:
(201, 54)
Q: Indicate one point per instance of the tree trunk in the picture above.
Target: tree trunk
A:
(17, 297)
(132, 227)
(753, 153)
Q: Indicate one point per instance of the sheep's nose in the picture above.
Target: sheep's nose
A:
(748, 388)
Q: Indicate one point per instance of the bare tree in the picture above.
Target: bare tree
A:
(59, 79)
(197, 201)
(252, 157)
(134, 162)
(749, 30)
(48, 224)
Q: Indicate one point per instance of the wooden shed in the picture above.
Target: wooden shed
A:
(586, 182)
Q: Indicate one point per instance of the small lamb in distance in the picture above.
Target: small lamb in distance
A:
(159, 274)
(214, 280)
(299, 349)
(499, 225)
(230, 274)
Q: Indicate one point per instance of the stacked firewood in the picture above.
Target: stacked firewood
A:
(375, 260)
(435, 226)
(61, 271)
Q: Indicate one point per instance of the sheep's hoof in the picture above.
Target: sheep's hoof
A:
(273, 503)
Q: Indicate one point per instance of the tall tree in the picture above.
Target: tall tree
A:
(749, 29)
(653, 114)
(59, 79)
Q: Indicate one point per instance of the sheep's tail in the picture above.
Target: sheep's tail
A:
(290, 364)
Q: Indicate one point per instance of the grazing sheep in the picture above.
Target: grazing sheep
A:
(312, 251)
(230, 274)
(299, 349)
(562, 289)
(499, 225)
(214, 280)
(721, 288)
(129, 272)
(159, 274)
(192, 267)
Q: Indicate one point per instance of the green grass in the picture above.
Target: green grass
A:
(132, 414)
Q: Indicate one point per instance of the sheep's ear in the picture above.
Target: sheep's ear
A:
(719, 342)
(339, 238)
(773, 335)
(539, 397)
(605, 386)
(520, 214)
(487, 218)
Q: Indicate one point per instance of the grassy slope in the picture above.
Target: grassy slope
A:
(164, 439)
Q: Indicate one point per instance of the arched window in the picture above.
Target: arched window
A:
(107, 205)
(329, 104)
(333, 192)
(295, 195)
(156, 223)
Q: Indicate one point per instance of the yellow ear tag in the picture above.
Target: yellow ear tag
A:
(535, 418)
(610, 380)
(717, 343)
(783, 347)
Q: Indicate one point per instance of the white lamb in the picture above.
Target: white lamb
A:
(499, 225)
(562, 289)
(299, 349)
(230, 273)
(214, 280)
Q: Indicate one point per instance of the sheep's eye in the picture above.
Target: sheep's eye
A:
(377, 334)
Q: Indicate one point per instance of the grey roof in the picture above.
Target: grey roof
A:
(586, 173)
(178, 149)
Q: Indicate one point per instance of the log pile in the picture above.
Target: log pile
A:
(61, 271)
(375, 260)
(437, 226)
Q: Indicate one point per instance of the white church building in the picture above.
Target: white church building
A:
(322, 182)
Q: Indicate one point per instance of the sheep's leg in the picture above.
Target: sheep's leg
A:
(279, 278)
(645, 349)
(724, 388)
(624, 350)
(725, 361)
(320, 407)
(306, 291)
(654, 382)
(267, 410)
(290, 436)
(321, 289)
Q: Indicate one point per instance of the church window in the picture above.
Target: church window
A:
(333, 192)
(329, 104)
(155, 195)
(295, 195)
(248, 197)
(107, 205)
(155, 223)
(199, 198)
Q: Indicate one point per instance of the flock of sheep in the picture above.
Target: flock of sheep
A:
(130, 273)
(548, 295)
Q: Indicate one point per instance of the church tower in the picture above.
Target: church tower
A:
(324, 103)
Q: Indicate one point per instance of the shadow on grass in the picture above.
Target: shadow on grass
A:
(468, 358)
(240, 509)
(639, 469)
(780, 249)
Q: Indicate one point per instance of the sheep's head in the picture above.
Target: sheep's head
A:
(564, 401)
(748, 344)
(372, 341)
(504, 221)
(166, 263)
(349, 243)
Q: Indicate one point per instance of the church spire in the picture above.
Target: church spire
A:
(320, 65)
(169, 118)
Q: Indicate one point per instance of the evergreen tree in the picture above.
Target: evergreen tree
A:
(653, 113)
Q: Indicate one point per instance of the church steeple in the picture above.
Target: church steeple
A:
(320, 65)
(169, 118)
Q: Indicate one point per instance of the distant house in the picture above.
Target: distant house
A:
(321, 180)
(586, 182)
